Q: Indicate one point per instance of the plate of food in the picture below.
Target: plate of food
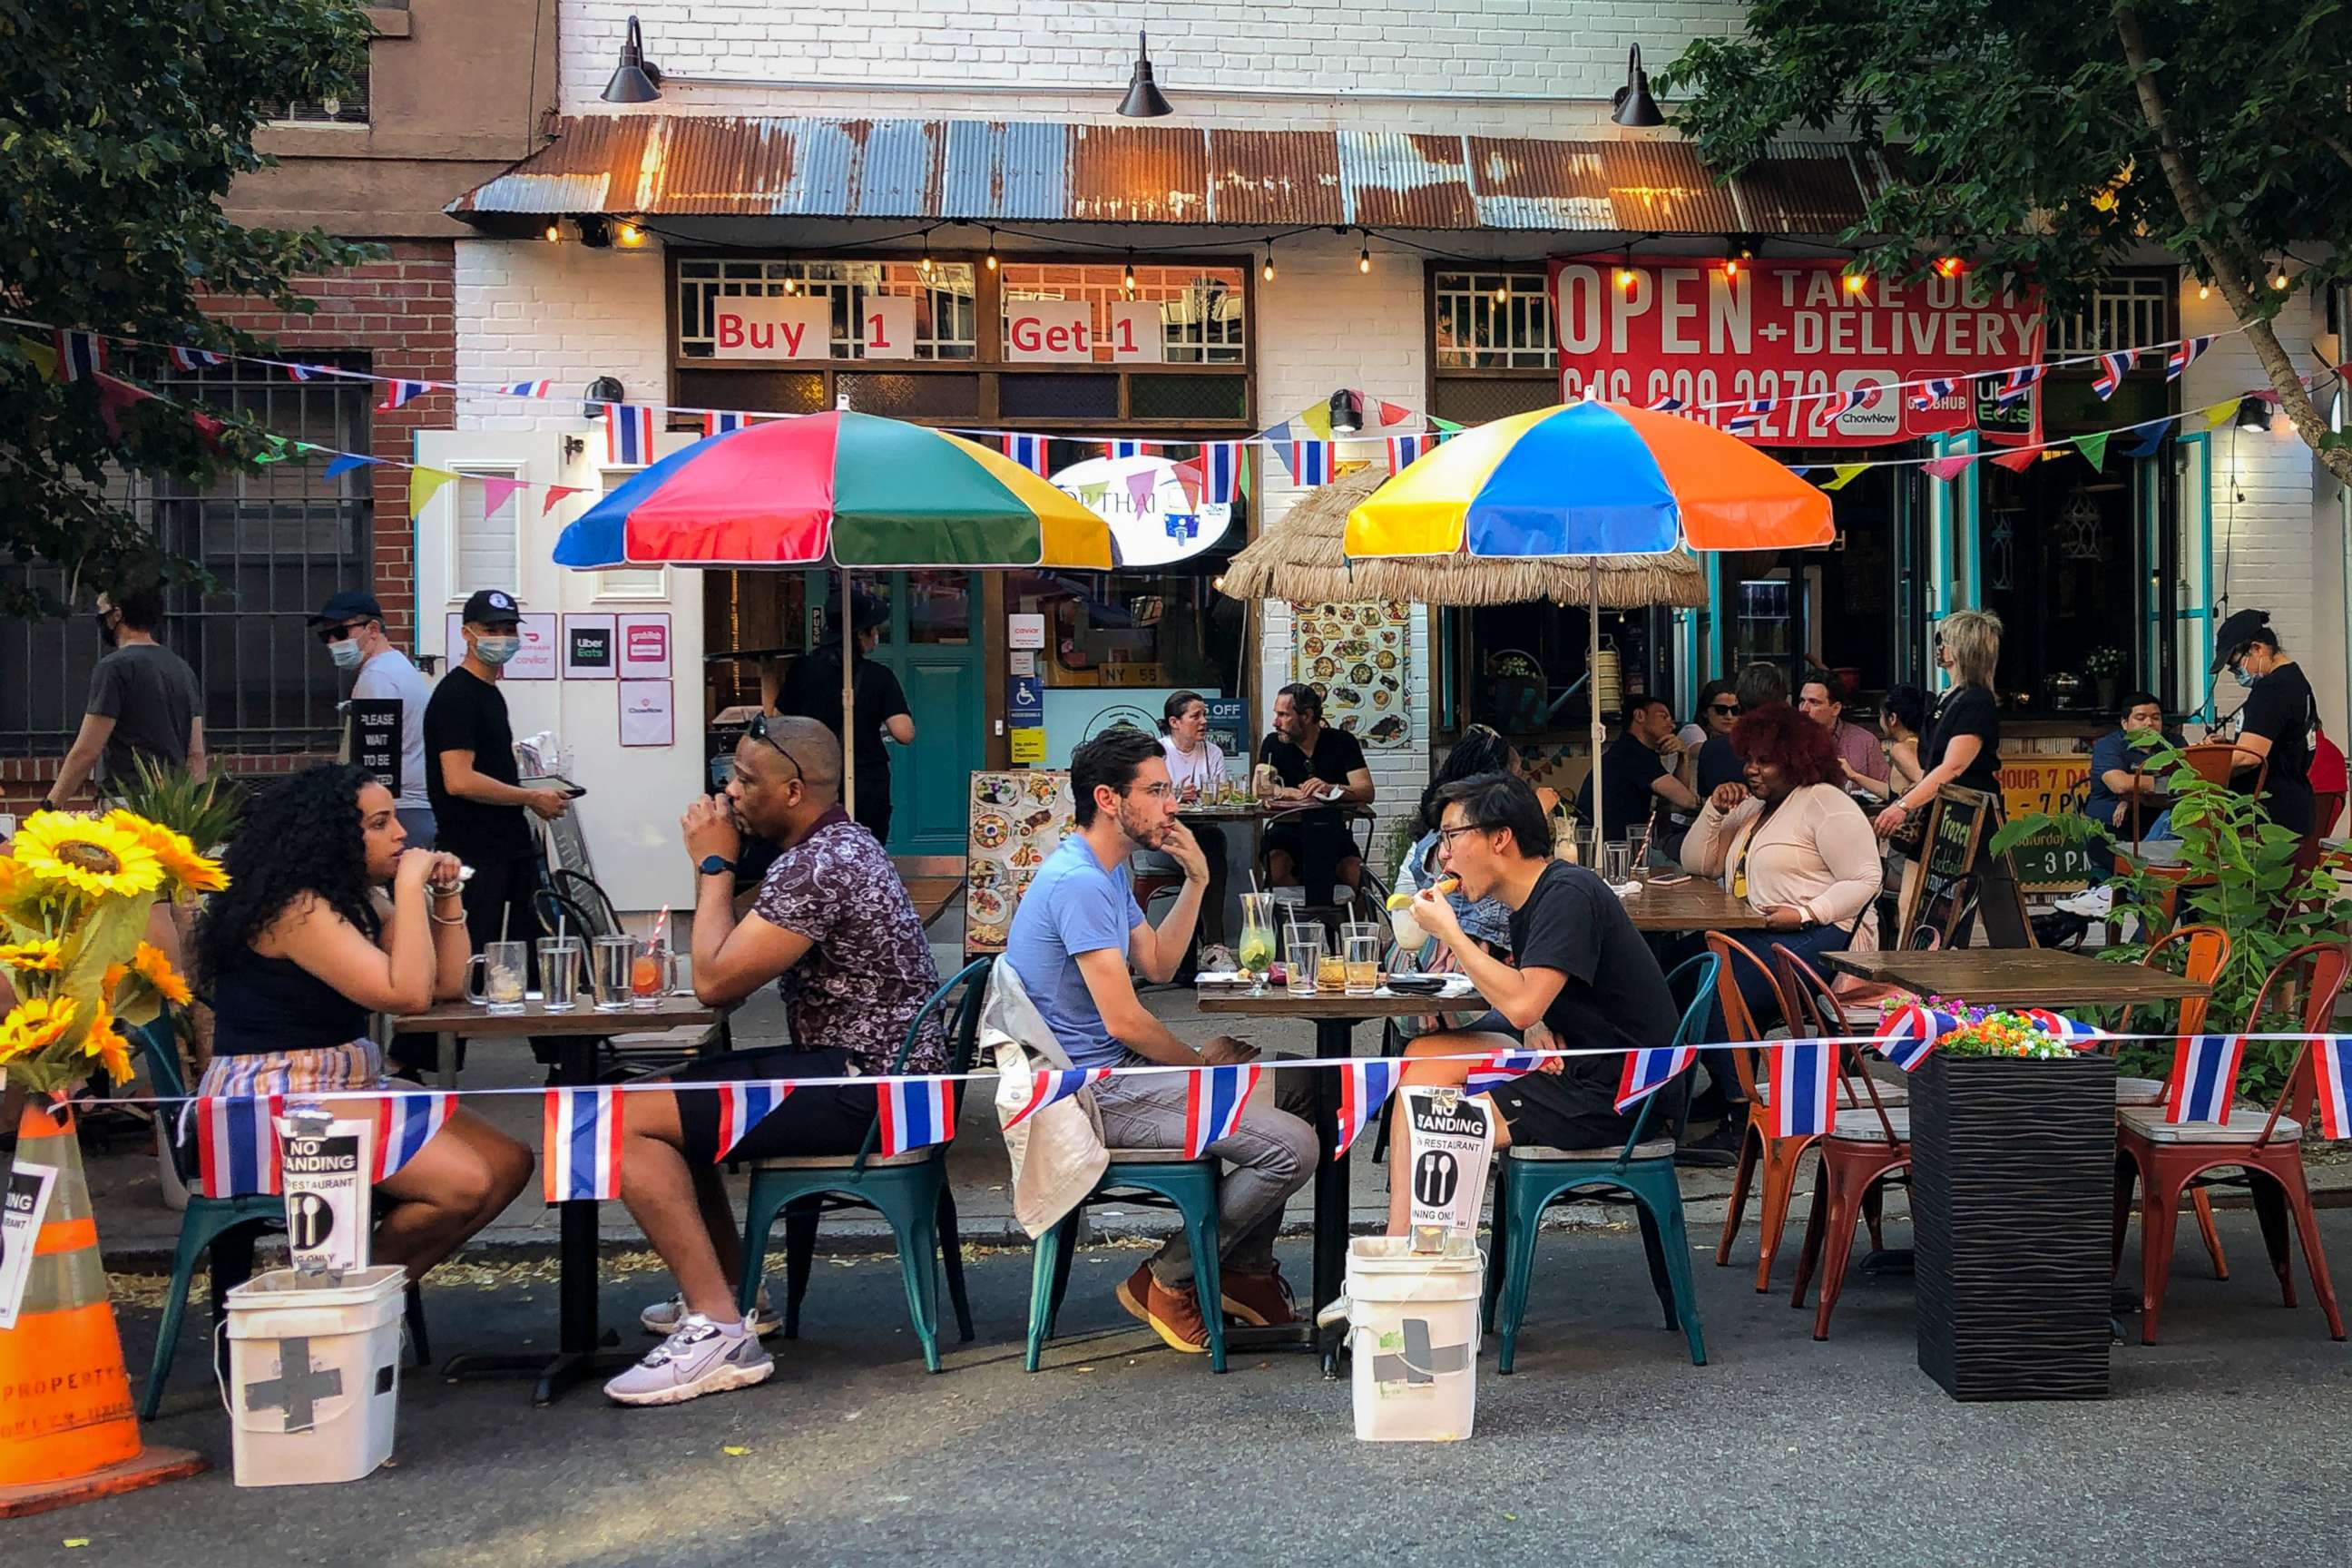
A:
(1041, 788)
(1389, 729)
(1027, 856)
(998, 789)
(991, 830)
(987, 906)
(984, 873)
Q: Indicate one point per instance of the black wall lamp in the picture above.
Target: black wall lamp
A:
(635, 80)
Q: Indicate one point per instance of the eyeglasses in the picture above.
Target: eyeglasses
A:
(332, 635)
(1161, 791)
(759, 732)
(1730, 708)
(1446, 835)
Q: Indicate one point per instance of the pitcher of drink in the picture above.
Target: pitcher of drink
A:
(1255, 952)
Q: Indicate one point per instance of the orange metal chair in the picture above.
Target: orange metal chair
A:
(1778, 1156)
(2166, 1158)
(2204, 953)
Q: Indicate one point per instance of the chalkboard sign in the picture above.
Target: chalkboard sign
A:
(2050, 862)
(375, 738)
(1936, 892)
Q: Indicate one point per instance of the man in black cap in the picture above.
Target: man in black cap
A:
(352, 628)
(811, 690)
(2275, 722)
(479, 806)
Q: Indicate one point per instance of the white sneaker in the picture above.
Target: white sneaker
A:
(700, 1358)
(663, 1317)
(2091, 903)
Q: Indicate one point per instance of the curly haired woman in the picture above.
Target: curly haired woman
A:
(304, 945)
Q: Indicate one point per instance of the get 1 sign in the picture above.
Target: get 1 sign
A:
(1049, 330)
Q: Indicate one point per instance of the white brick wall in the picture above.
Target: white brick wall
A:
(533, 308)
(1210, 57)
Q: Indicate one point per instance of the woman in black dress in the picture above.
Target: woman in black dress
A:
(1963, 746)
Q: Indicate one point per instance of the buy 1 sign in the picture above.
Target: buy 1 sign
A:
(771, 326)
(887, 331)
(1039, 331)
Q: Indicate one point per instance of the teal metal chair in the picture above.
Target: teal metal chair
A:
(909, 1190)
(1187, 1187)
(1531, 1180)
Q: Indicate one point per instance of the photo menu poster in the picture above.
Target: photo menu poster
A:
(1016, 820)
(1354, 656)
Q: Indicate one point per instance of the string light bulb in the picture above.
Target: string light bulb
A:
(791, 285)
(2204, 291)
(1625, 276)
(1855, 282)
(1127, 280)
(554, 233)
(1503, 292)
(1731, 267)
(989, 261)
(630, 234)
(1364, 256)
(2279, 279)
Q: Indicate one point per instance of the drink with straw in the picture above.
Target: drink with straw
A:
(1255, 952)
(650, 972)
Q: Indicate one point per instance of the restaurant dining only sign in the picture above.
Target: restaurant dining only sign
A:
(1794, 334)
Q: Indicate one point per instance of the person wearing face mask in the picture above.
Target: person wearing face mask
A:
(2275, 725)
(350, 625)
(144, 702)
(481, 812)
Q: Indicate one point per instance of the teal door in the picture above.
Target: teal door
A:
(933, 646)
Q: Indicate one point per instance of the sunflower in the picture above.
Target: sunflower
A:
(181, 863)
(41, 955)
(35, 1026)
(94, 857)
(106, 1043)
(156, 969)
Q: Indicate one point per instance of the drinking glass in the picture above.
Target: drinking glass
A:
(1302, 945)
(560, 959)
(506, 966)
(1361, 946)
(1617, 862)
(609, 976)
(649, 977)
(1255, 952)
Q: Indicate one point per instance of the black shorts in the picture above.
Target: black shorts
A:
(820, 1120)
(1575, 1108)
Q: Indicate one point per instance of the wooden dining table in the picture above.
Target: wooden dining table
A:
(2018, 976)
(1698, 903)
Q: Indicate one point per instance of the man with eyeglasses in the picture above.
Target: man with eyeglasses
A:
(350, 625)
(834, 927)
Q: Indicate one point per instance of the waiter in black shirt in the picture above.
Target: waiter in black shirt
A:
(2274, 724)
(1317, 765)
(811, 690)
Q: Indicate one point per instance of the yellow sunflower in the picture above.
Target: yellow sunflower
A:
(35, 1026)
(91, 856)
(157, 970)
(107, 1044)
(181, 863)
(41, 955)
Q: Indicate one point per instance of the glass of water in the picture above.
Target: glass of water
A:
(560, 959)
(1617, 862)
(1361, 948)
(609, 977)
(1302, 948)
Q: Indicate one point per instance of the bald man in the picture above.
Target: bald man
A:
(834, 927)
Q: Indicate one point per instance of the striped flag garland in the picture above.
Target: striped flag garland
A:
(2073, 1031)
(305, 372)
(1404, 451)
(1047, 1085)
(1214, 1099)
(1849, 400)
(1650, 1070)
(1804, 1100)
(237, 1144)
(718, 422)
(2204, 1076)
(527, 389)
(2331, 1069)
(2018, 381)
(1221, 464)
(80, 355)
(742, 1106)
(2112, 367)
(915, 1113)
(1031, 452)
(1750, 417)
(1908, 1033)
(1666, 404)
(1122, 449)
(396, 393)
(579, 1149)
(196, 359)
(628, 435)
(1364, 1087)
(1498, 1068)
(404, 1123)
(1934, 390)
(2184, 354)
(1310, 463)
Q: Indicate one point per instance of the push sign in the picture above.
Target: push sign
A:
(1449, 1140)
(324, 1166)
(375, 739)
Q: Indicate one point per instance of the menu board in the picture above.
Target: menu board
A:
(1354, 657)
(1016, 820)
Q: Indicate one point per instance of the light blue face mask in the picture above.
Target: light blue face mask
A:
(496, 651)
(346, 653)
(2245, 677)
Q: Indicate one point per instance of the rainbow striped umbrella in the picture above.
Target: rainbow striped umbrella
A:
(848, 489)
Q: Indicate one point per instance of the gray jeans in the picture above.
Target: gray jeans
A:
(1270, 1156)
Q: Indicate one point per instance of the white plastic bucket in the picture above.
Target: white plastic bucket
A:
(313, 1375)
(1412, 1322)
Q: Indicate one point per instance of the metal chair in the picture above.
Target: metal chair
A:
(1187, 1187)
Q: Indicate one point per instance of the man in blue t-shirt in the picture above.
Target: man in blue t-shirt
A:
(1073, 938)
(2115, 757)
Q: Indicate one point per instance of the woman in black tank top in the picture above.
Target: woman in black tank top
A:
(303, 945)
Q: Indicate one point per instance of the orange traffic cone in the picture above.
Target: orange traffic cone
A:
(67, 1430)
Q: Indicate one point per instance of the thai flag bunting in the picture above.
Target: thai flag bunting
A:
(2184, 354)
(1404, 451)
(915, 1113)
(397, 393)
(1851, 399)
(1749, 417)
(1122, 449)
(716, 422)
(1310, 463)
(196, 359)
(580, 1150)
(1364, 1087)
(2073, 1031)
(628, 435)
(1030, 452)
(1934, 390)
(1214, 1099)
(1221, 463)
(2111, 372)
(306, 372)
(1802, 1098)
(742, 1106)
(2204, 1075)
(1499, 1068)
(1664, 405)
(80, 355)
(404, 1123)
(2331, 1069)
(237, 1144)
(1907, 1034)
(1047, 1085)
(526, 389)
(2018, 382)
(1650, 1070)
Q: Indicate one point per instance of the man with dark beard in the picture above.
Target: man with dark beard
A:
(1077, 930)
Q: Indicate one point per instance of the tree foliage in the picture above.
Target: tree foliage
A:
(2051, 139)
(121, 126)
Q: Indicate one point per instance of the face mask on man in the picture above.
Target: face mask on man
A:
(496, 650)
(346, 653)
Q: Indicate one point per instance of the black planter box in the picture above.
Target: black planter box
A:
(2013, 1191)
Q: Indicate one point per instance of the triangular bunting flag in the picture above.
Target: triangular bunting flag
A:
(496, 493)
(2095, 447)
(404, 1123)
(1803, 1100)
(1213, 1100)
(579, 1148)
(1650, 1070)
(741, 1107)
(344, 462)
(1047, 1085)
(1316, 418)
(423, 484)
(2145, 445)
(1393, 413)
(1948, 468)
(1846, 474)
(2018, 462)
(556, 493)
(1499, 1068)
(914, 1113)
(237, 1144)
(1362, 1091)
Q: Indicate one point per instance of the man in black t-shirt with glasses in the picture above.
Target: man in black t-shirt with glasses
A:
(1316, 764)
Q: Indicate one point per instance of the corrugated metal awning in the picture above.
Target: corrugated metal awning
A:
(685, 165)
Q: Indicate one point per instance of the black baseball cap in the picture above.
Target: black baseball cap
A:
(2242, 627)
(491, 608)
(347, 605)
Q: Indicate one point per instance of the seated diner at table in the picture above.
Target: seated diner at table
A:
(1638, 774)
(2116, 758)
(1479, 751)
(1315, 765)
(1861, 760)
(327, 917)
(1579, 976)
(1073, 939)
(833, 927)
(1196, 766)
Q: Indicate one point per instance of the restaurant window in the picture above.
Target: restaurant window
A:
(1491, 348)
(946, 300)
(1203, 315)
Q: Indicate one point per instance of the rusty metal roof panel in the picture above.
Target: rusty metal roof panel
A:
(1016, 173)
(1393, 179)
(1274, 178)
(1809, 187)
(1635, 186)
(1138, 174)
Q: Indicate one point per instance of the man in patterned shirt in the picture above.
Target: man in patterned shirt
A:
(832, 926)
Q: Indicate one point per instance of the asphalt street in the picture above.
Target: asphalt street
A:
(1605, 1446)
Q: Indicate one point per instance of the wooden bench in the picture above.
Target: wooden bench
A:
(932, 881)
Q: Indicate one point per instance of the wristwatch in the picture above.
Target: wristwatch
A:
(715, 865)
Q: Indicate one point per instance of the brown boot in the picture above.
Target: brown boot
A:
(1261, 1300)
(1173, 1315)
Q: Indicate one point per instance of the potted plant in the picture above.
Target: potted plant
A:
(2106, 667)
(2012, 1185)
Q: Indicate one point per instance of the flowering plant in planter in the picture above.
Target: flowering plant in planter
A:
(1997, 1032)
